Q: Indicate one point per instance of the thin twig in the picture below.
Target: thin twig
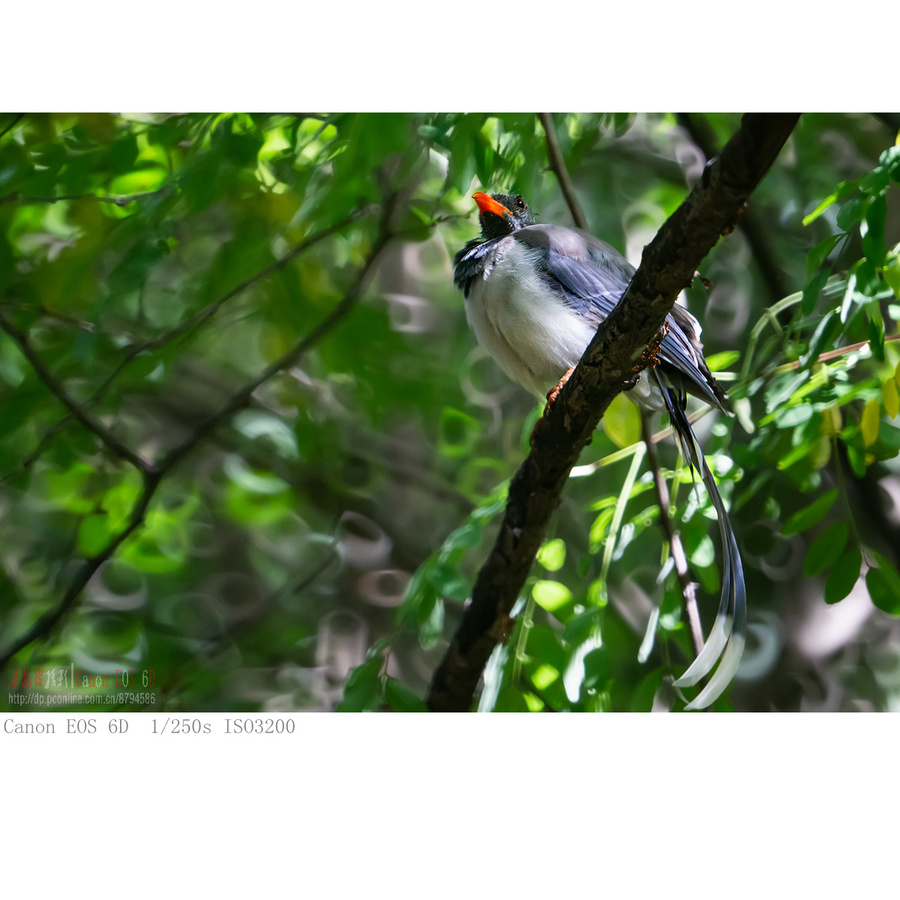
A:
(688, 588)
(121, 200)
(87, 570)
(192, 322)
(837, 352)
(558, 165)
(153, 476)
(18, 118)
(749, 223)
(243, 396)
(56, 388)
(201, 316)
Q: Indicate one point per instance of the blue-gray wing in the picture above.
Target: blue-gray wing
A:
(592, 277)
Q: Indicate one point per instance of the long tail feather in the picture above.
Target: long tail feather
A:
(729, 634)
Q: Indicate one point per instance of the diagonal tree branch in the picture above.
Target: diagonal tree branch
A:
(192, 322)
(87, 570)
(688, 592)
(607, 367)
(56, 388)
(242, 397)
(153, 475)
(750, 224)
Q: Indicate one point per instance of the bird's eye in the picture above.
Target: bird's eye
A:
(520, 203)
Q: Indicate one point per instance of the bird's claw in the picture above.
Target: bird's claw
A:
(650, 356)
(551, 399)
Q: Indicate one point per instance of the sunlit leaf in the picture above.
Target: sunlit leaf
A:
(622, 422)
(552, 555)
(869, 421)
(551, 595)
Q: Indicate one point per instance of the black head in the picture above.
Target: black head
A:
(502, 214)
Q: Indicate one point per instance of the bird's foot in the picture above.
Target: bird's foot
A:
(551, 399)
(650, 357)
(553, 394)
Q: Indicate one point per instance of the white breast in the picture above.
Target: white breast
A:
(533, 335)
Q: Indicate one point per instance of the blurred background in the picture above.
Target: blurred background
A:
(252, 457)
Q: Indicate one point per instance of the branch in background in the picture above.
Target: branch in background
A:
(558, 165)
(890, 120)
(16, 119)
(201, 316)
(121, 200)
(688, 588)
(749, 223)
(55, 387)
(153, 475)
(87, 570)
(194, 321)
(243, 396)
(607, 367)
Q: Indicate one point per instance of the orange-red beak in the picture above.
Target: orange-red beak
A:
(486, 203)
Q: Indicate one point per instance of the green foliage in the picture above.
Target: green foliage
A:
(246, 424)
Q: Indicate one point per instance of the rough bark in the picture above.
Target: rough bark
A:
(607, 367)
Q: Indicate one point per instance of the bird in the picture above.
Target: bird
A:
(534, 296)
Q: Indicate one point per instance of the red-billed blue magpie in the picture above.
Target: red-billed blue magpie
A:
(535, 295)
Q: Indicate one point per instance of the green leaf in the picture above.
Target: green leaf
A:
(805, 518)
(851, 213)
(363, 689)
(465, 537)
(718, 362)
(94, 534)
(876, 339)
(884, 585)
(551, 595)
(811, 291)
(826, 548)
(596, 669)
(843, 576)
(818, 254)
(890, 397)
(871, 230)
(856, 456)
(792, 416)
(552, 555)
(400, 698)
(448, 581)
(841, 191)
(432, 624)
(876, 182)
(622, 422)
(871, 418)
(822, 339)
(580, 627)
(891, 274)
(890, 160)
